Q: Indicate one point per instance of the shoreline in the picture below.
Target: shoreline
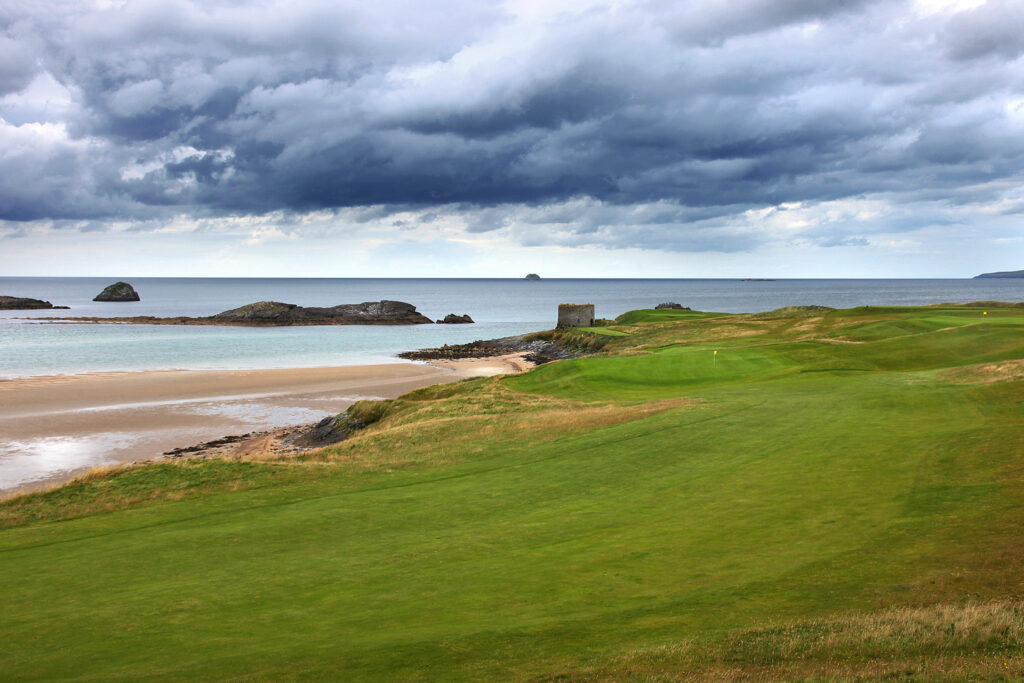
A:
(394, 360)
(58, 426)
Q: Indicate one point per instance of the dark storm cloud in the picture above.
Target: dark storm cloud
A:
(702, 110)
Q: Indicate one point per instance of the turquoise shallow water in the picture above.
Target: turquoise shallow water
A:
(501, 307)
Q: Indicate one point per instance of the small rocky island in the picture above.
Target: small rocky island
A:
(532, 276)
(452, 319)
(671, 305)
(1001, 275)
(277, 314)
(21, 303)
(119, 291)
(366, 313)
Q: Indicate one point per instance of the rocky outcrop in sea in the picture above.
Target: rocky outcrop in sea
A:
(452, 319)
(367, 313)
(119, 291)
(21, 303)
(277, 314)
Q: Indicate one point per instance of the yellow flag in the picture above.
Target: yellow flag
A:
(716, 352)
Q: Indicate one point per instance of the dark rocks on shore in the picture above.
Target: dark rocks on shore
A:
(327, 431)
(119, 291)
(532, 276)
(671, 305)
(207, 445)
(21, 303)
(359, 415)
(537, 351)
(452, 319)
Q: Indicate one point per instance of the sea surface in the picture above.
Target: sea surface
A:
(500, 307)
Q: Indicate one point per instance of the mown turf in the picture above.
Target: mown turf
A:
(655, 513)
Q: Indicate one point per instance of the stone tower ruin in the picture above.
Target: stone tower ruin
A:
(575, 315)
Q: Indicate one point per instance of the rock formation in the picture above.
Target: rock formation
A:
(277, 314)
(366, 313)
(452, 319)
(119, 291)
(532, 276)
(671, 305)
(20, 303)
(536, 351)
(327, 431)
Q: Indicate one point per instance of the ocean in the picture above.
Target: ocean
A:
(500, 307)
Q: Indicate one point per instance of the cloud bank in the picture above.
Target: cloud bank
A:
(699, 126)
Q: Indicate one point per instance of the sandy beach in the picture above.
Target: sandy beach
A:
(54, 427)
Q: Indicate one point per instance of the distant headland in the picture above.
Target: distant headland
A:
(1002, 274)
(532, 276)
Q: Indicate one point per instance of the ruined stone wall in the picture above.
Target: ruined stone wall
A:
(575, 315)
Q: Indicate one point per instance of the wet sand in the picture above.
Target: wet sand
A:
(54, 427)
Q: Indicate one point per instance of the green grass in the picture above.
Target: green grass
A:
(650, 315)
(840, 494)
(605, 331)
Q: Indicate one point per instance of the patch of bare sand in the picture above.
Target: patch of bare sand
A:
(56, 394)
(986, 373)
(510, 363)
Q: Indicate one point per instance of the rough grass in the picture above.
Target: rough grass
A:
(456, 428)
(837, 495)
(939, 642)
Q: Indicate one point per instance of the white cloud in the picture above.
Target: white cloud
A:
(268, 234)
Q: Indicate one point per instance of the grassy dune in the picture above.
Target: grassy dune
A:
(840, 494)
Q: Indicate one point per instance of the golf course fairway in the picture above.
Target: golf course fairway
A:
(806, 493)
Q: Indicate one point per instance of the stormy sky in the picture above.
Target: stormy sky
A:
(772, 138)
